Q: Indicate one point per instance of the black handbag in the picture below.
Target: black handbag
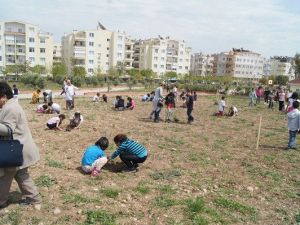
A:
(11, 152)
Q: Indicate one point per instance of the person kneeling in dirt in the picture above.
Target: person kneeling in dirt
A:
(131, 152)
(222, 105)
(130, 103)
(94, 157)
(232, 111)
(55, 122)
(75, 121)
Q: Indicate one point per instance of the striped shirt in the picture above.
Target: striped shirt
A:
(131, 147)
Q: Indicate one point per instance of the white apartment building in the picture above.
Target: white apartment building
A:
(201, 64)
(95, 50)
(23, 42)
(282, 66)
(240, 63)
(57, 53)
(162, 55)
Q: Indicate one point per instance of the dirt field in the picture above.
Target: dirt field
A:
(205, 173)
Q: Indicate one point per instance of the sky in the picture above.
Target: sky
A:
(269, 27)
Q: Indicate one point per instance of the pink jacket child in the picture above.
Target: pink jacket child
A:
(130, 104)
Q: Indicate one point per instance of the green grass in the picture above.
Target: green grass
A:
(234, 206)
(44, 181)
(166, 174)
(164, 201)
(110, 192)
(166, 189)
(54, 163)
(297, 217)
(100, 217)
(142, 188)
(78, 199)
(14, 217)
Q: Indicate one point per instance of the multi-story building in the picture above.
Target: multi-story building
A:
(282, 65)
(162, 55)
(129, 52)
(22, 43)
(240, 63)
(202, 64)
(57, 53)
(95, 50)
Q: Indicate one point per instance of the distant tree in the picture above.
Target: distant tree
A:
(263, 81)
(120, 67)
(135, 74)
(79, 71)
(38, 69)
(281, 80)
(170, 75)
(59, 69)
(297, 65)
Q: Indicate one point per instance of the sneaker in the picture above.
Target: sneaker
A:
(29, 201)
(130, 170)
(95, 173)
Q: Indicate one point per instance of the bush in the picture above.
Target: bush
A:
(91, 81)
(33, 80)
(78, 81)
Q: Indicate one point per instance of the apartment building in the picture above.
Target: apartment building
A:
(129, 53)
(95, 50)
(162, 55)
(22, 42)
(282, 65)
(240, 63)
(202, 64)
(57, 53)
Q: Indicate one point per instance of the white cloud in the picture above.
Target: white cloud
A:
(266, 26)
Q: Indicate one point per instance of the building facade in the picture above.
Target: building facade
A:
(22, 43)
(240, 63)
(282, 65)
(202, 64)
(162, 55)
(57, 53)
(95, 50)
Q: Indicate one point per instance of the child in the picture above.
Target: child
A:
(96, 98)
(222, 105)
(130, 104)
(189, 106)
(35, 97)
(104, 97)
(195, 96)
(170, 103)
(15, 92)
(55, 122)
(271, 99)
(293, 125)
(232, 111)
(42, 108)
(94, 157)
(47, 96)
(54, 107)
(119, 104)
(75, 121)
(131, 152)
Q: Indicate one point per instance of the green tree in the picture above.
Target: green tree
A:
(297, 65)
(59, 69)
(135, 74)
(120, 67)
(170, 75)
(281, 80)
(38, 69)
(79, 71)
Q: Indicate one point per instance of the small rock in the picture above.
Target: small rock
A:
(56, 211)
(215, 186)
(95, 189)
(173, 149)
(79, 211)
(251, 189)
(205, 191)
(40, 223)
(38, 207)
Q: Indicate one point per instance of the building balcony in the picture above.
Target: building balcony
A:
(20, 42)
(9, 42)
(10, 53)
(14, 33)
(21, 53)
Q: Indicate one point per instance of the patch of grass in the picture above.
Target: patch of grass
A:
(100, 217)
(14, 217)
(77, 199)
(234, 206)
(297, 217)
(200, 220)
(54, 163)
(166, 189)
(34, 221)
(164, 201)
(257, 171)
(195, 206)
(44, 181)
(111, 193)
(142, 188)
(166, 175)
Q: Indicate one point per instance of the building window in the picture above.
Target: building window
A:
(181, 53)
(120, 46)
(20, 50)
(42, 50)
(180, 67)
(155, 65)
(0, 37)
(91, 52)
(186, 67)
(0, 58)
(107, 48)
(31, 49)
(91, 43)
(31, 59)
(107, 55)
(31, 39)
(108, 39)
(163, 51)
(119, 55)
(91, 35)
(156, 50)
(107, 63)
(155, 58)
(91, 61)
(120, 38)
(162, 66)
(162, 59)
(31, 29)
(90, 70)
(43, 60)
(42, 40)
(99, 45)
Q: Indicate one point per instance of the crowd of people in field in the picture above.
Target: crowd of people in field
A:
(131, 152)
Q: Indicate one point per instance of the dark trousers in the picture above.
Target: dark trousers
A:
(156, 114)
(281, 105)
(189, 114)
(130, 160)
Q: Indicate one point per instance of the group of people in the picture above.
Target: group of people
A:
(119, 103)
(55, 123)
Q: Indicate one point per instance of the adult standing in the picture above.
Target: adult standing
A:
(281, 98)
(15, 92)
(157, 105)
(64, 85)
(189, 106)
(259, 94)
(70, 93)
(13, 116)
(175, 92)
(252, 97)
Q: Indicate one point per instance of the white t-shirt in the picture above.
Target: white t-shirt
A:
(81, 119)
(96, 98)
(70, 92)
(56, 107)
(53, 120)
(222, 106)
(281, 96)
(235, 110)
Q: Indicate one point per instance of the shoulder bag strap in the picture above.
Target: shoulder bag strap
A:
(9, 132)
